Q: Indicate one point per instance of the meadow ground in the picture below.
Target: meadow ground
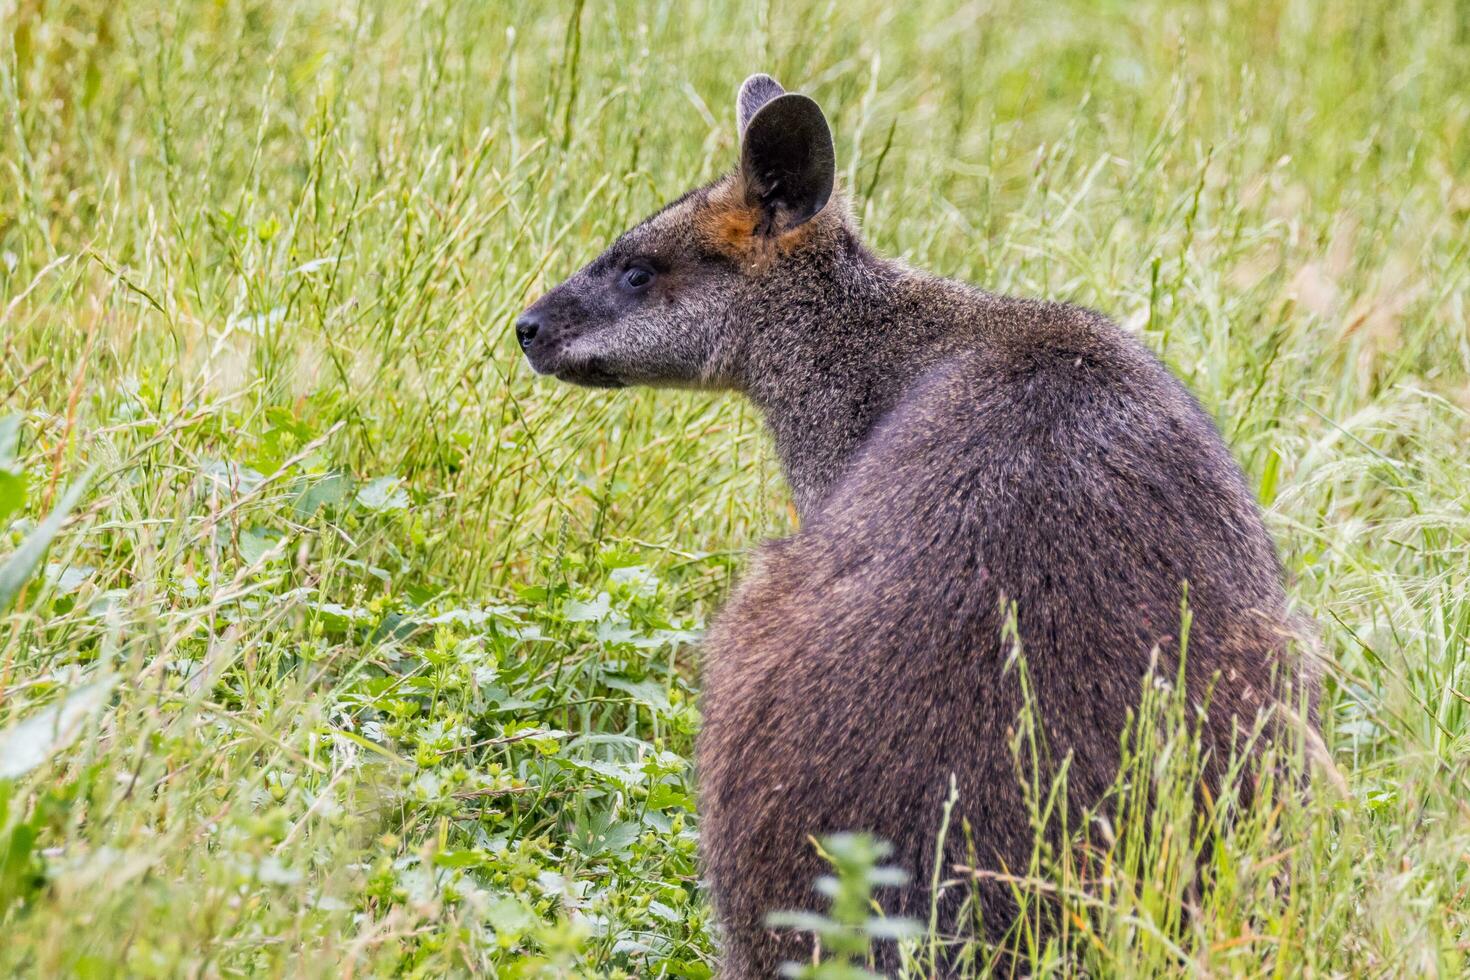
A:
(362, 651)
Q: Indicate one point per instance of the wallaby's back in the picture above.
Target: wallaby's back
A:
(1056, 465)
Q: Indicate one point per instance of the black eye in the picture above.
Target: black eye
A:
(636, 279)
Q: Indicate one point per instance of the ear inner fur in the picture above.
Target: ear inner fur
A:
(787, 162)
(754, 93)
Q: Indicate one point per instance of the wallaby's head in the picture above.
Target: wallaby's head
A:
(665, 305)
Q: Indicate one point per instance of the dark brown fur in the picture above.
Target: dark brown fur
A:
(951, 451)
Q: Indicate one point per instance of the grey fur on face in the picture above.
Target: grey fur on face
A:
(954, 454)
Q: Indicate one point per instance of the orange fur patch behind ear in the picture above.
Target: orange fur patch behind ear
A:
(726, 222)
(729, 224)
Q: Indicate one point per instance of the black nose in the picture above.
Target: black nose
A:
(526, 329)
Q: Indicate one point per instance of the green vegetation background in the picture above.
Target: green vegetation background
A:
(363, 651)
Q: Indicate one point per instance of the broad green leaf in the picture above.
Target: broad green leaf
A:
(459, 859)
(19, 567)
(9, 439)
(28, 744)
(663, 796)
(12, 478)
(509, 917)
(647, 691)
(577, 611)
(256, 543)
(602, 835)
(383, 494)
(330, 490)
(12, 492)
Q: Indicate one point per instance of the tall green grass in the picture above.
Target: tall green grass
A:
(364, 651)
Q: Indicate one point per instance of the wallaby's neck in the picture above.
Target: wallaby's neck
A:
(836, 343)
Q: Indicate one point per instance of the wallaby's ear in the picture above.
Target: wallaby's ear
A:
(756, 91)
(787, 162)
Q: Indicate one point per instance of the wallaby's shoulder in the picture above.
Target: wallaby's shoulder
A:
(1016, 350)
(1032, 332)
(1030, 392)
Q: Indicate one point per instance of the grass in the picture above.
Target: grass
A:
(374, 654)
